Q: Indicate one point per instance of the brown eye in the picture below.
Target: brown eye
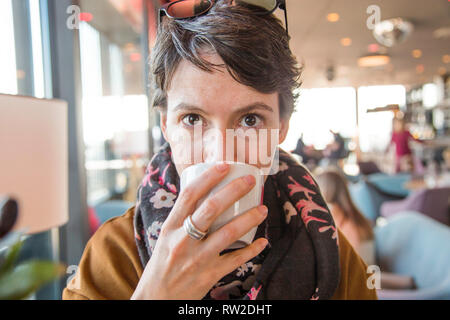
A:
(251, 120)
(192, 120)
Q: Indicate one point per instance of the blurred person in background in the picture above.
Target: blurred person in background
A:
(401, 137)
(310, 156)
(346, 215)
(356, 228)
(334, 151)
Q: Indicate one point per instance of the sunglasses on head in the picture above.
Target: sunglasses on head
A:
(183, 9)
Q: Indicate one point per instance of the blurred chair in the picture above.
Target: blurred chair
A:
(415, 245)
(433, 203)
(373, 190)
(392, 184)
(110, 209)
(368, 167)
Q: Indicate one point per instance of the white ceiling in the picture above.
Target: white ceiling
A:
(317, 41)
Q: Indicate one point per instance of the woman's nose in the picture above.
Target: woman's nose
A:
(215, 145)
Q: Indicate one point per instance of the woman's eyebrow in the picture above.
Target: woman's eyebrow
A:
(252, 107)
(188, 107)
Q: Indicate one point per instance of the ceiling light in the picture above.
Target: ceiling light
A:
(346, 42)
(416, 53)
(442, 33)
(333, 17)
(393, 31)
(373, 60)
(373, 47)
(420, 68)
(442, 71)
(446, 58)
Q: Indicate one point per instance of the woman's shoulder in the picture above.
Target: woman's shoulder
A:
(367, 251)
(110, 267)
(116, 233)
(120, 227)
(353, 283)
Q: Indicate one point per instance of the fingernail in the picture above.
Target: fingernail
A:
(264, 243)
(263, 210)
(250, 180)
(222, 167)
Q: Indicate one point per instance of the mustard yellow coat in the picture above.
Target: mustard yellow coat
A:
(110, 267)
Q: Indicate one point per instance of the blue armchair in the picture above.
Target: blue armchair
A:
(373, 190)
(111, 208)
(433, 203)
(391, 183)
(413, 244)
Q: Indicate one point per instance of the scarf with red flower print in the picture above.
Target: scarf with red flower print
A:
(301, 260)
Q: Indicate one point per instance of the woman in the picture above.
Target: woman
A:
(348, 218)
(401, 137)
(229, 68)
(356, 228)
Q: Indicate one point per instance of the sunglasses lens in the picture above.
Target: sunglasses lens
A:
(269, 5)
(188, 8)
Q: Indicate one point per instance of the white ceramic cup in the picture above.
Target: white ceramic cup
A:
(247, 202)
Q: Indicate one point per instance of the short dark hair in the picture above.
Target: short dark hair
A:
(254, 48)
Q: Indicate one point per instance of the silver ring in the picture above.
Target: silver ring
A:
(192, 231)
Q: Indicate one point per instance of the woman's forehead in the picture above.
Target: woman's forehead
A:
(213, 91)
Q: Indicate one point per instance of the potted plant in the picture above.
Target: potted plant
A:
(20, 280)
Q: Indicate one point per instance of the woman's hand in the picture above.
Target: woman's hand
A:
(182, 268)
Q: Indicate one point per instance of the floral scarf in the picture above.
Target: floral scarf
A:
(301, 260)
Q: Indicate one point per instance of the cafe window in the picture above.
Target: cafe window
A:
(114, 99)
(320, 110)
(21, 56)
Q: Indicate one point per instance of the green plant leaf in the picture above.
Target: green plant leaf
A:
(11, 238)
(11, 257)
(27, 278)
